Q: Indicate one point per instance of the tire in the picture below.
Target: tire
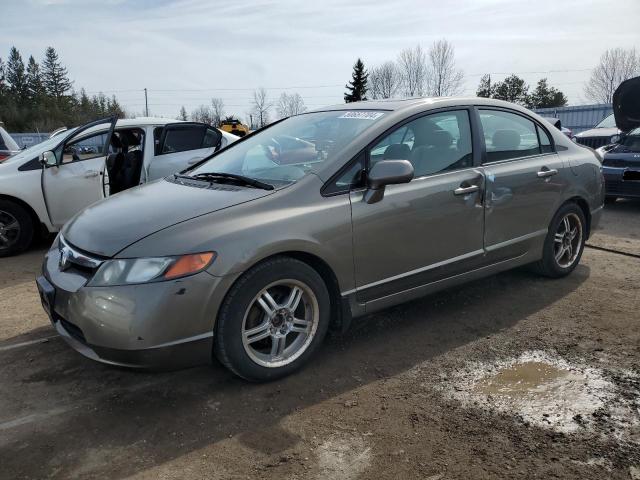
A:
(16, 228)
(249, 341)
(610, 199)
(550, 265)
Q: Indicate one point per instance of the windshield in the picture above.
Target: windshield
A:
(293, 148)
(34, 151)
(630, 142)
(608, 122)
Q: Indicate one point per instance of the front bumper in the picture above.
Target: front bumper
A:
(616, 186)
(155, 325)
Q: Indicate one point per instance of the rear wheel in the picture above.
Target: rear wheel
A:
(564, 243)
(273, 319)
(16, 228)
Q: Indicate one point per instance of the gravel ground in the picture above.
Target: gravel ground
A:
(513, 376)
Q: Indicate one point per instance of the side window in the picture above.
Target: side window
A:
(85, 148)
(183, 139)
(508, 135)
(348, 179)
(211, 138)
(545, 141)
(434, 143)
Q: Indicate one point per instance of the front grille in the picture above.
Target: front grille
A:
(73, 330)
(593, 142)
(616, 187)
(76, 260)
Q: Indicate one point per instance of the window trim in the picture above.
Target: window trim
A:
(183, 125)
(475, 147)
(477, 109)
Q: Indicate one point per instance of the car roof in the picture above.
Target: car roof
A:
(399, 104)
(142, 121)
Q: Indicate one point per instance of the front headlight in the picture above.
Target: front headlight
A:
(614, 139)
(152, 269)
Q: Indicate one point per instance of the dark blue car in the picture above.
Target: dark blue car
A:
(621, 167)
(621, 160)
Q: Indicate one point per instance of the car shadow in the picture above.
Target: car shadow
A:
(60, 408)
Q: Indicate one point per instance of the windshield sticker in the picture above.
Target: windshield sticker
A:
(362, 115)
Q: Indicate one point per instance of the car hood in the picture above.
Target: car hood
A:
(598, 132)
(626, 104)
(107, 227)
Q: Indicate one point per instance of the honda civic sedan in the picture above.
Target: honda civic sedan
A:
(253, 254)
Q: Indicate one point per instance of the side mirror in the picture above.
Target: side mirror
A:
(48, 159)
(386, 172)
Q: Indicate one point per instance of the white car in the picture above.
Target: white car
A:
(44, 186)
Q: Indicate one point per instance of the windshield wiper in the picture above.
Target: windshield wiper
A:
(252, 182)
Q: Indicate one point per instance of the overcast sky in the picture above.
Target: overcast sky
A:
(186, 51)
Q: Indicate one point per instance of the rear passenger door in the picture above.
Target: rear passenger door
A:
(179, 145)
(524, 182)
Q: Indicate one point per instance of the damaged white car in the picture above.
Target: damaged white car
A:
(44, 186)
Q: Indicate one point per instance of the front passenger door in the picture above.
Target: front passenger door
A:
(180, 145)
(430, 228)
(75, 182)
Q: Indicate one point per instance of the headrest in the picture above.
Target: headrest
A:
(397, 151)
(130, 138)
(506, 139)
(115, 141)
(440, 139)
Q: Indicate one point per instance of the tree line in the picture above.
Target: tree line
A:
(415, 73)
(260, 112)
(39, 97)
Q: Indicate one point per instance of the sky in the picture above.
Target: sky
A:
(187, 51)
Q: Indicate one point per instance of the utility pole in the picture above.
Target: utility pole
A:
(146, 103)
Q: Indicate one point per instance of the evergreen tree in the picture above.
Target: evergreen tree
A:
(17, 77)
(3, 84)
(357, 87)
(183, 114)
(544, 96)
(484, 88)
(34, 81)
(55, 79)
(512, 89)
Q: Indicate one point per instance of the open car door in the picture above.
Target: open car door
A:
(74, 180)
(180, 145)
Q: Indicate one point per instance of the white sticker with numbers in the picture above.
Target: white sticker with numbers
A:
(362, 115)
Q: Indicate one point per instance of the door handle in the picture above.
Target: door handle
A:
(466, 190)
(91, 173)
(545, 172)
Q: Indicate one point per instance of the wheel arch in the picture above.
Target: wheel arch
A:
(39, 225)
(584, 206)
(340, 310)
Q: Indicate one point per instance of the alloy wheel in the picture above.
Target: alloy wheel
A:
(9, 230)
(568, 240)
(280, 323)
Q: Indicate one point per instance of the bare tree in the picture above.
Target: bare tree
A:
(443, 78)
(412, 65)
(202, 114)
(289, 105)
(261, 107)
(384, 80)
(217, 111)
(616, 65)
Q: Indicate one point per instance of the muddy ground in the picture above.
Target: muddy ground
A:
(513, 376)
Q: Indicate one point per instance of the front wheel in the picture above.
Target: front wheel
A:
(16, 228)
(272, 320)
(564, 243)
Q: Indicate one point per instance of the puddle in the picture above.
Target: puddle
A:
(547, 391)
